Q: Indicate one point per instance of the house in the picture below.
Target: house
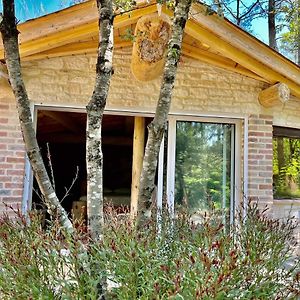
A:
(236, 102)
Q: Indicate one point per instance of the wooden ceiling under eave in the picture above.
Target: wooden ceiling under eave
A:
(208, 38)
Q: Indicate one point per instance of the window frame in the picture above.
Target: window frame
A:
(236, 192)
(240, 153)
(284, 132)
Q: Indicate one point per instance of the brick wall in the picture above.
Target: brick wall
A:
(260, 159)
(12, 153)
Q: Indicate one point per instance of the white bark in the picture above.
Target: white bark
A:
(157, 126)
(9, 33)
(95, 108)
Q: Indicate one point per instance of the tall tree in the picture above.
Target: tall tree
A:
(290, 41)
(272, 24)
(157, 126)
(8, 28)
(95, 109)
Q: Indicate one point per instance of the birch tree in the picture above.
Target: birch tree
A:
(8, 28)
(95, 109)
(157, 126)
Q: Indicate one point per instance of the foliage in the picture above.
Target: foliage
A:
(171, 260)
(203, 158)
(290, 41)
(286, 167)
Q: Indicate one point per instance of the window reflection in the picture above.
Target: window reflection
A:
(203, 167)
(286, 167)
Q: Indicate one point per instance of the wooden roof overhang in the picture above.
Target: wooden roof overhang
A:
(208, 38)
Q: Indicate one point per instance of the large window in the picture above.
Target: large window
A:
(203, 167)
(286, 163)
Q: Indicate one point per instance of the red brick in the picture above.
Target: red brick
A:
(16, 147)
(15, 172)
(265, 187)
(4, 107)
(266, 174)
(3, 120)
(6, 166)
(19, 166)
(13, 185)
(266, 151)
(257, 156)
(11, 199)
(269, 134)
(17, 192)
(14, 159)
(256, 133)
(269, 146)
(5, 178)
(253, 186)
(20, 154)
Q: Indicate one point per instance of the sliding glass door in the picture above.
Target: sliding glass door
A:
(203, 166)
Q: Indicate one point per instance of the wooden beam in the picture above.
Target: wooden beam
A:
(86, 47)
(245, 60)
(137, 161)
(79, 138)
(64, 120)
(218, 61)
(77, 33)
(286, 132)
(245, 42)
(277, 94)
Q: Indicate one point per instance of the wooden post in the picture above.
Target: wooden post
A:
(137, 161)
(277, 94)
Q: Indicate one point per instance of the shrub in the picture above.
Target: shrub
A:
(173, 259)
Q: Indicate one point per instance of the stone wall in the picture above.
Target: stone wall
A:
(12, 153)
(200, 89)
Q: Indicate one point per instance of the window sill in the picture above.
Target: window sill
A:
(295, 201)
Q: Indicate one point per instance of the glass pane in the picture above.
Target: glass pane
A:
(203, 167)
(286, 167)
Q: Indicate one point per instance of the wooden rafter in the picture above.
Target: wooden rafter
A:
(66, 121)
(78, 32)
(243, 41)
(73, 49)
(219, 61)
(63, 33)
(228, 50)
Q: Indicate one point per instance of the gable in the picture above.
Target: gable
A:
(208, 38)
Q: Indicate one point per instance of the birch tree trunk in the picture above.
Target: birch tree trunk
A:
(95, 109)
(157, 126)
(9, 33)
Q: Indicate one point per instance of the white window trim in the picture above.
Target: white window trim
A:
(236, 191)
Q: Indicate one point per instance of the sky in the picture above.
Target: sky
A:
(29, 9)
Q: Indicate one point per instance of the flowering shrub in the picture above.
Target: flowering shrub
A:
(175, 259)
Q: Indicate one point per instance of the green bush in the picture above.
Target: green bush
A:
(175, 259)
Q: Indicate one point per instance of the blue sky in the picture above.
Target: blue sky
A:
(28, 9)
